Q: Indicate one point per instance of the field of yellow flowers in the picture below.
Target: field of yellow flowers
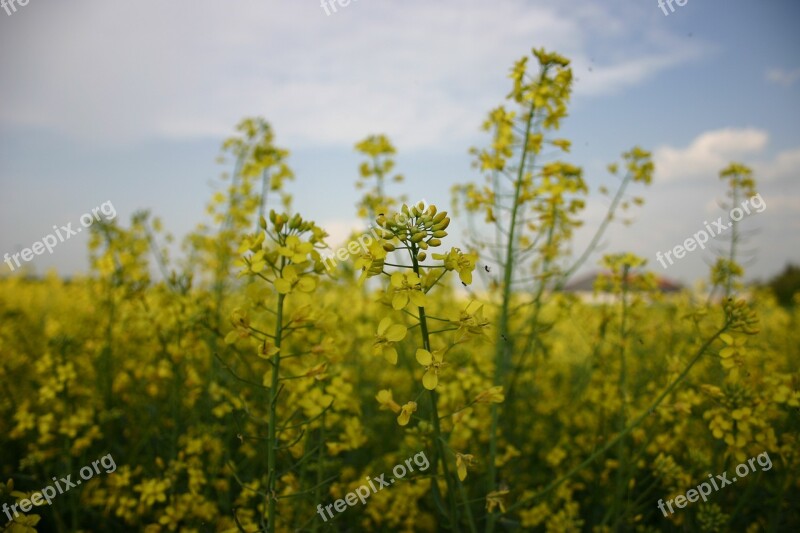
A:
(246, 387)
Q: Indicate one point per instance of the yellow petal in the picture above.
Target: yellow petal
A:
(417, 298)
(399, 300)
(384, 325)
(462, 468)
(384, 396)
(424, 357)
(289, 273)
(430, 380)
(283, 286)
(306, 284)
(396, 333)
(231, 337)
(404, 417)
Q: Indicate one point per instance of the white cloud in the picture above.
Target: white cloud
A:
(341, 231)
(785, 165)
(423, 72)
(709, 153)
(782, 76)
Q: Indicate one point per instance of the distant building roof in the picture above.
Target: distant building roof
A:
(586, 284)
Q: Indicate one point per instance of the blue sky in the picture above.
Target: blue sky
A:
(128, 102)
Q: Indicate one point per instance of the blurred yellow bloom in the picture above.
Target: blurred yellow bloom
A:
(384, 398)
(317, 372)
(387, 335)
(463, 460)
(496, 499)
(24, 524)
(493, 395)
(405, 413)
(267, 349)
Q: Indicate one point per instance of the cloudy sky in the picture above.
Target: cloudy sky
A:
(128, 102)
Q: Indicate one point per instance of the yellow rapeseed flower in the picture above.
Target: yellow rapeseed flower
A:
(291, 280)
(406, 286)
(405, 413)
(296, 250)
(463, 460)
(387, 335)
(432, 362)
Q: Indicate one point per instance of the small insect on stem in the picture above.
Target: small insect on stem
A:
(486, 267)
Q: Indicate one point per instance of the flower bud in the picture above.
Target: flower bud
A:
(421, 256)
(440, 233)
(442, 225)
(435, 242)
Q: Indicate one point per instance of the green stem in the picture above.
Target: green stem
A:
(621, 450)
(598, 234)
(439, 452)
(503, 345)
(272, 442)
